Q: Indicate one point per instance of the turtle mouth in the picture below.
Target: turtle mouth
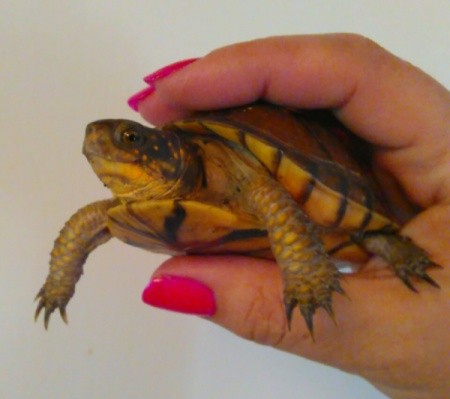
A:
(120, 177)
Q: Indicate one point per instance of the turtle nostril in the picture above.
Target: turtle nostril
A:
(88, 128)
(92, 127)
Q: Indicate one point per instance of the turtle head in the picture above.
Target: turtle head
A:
(137, 162)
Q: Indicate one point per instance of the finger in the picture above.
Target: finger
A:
(249, 303)
(382, 98)
(346, 72)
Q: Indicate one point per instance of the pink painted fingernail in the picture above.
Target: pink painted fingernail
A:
(180, 294)
(135, 99)
(168, 70)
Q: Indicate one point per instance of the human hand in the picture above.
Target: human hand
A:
(396, 339)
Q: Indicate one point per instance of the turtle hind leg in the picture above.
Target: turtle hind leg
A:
(405, 257)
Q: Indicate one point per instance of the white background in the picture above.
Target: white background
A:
(65, 63)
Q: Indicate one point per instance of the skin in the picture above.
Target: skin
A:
(393, 337)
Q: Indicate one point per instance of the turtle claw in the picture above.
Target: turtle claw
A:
(307, 312)
(407, 268)
(425, 277)
(329, 309)
(406, 258)
(289, 307)
(421, 274)
(311, 298)
(405, 278)
(38, 310)
(63, 313)
(49, 307)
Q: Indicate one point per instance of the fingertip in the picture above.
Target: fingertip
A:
(138, 98)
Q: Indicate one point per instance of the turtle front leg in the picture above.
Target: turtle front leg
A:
(82, 233)
(309, 275)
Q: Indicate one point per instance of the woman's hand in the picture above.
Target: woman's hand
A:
(395, 338)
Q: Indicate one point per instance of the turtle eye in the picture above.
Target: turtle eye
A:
(131, 138)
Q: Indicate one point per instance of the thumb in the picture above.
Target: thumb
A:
(244, 295)
(241, 294)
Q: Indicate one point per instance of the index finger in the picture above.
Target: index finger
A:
(380, 97)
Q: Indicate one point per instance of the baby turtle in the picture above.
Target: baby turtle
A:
(257, 180)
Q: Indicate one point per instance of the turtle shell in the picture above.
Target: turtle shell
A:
(325, 168)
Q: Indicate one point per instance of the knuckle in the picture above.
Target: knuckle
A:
(264, 322)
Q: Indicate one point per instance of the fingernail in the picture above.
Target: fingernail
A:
(135, 99)
(167, 70)
(180, 294)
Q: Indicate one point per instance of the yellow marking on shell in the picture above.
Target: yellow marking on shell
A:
(379, 221)
(191, 126)
(322, 205)
(143, 224)
(294, 178)
(205, 222)
(355, 215)
(230, 133)
(265, 153)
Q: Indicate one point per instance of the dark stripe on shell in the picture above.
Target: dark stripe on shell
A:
(366, 220)
(276, 162)
(343, 189)
(241, 135)
(238, 235)
(341, 211)
(342, 245)
(134, 230)
(206, 128)
(201, 164)
(368, 203)
(173, 222)
(307, 193)
(311, 164)
(312, 169)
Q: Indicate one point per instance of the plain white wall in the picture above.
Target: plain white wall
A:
(65, 63)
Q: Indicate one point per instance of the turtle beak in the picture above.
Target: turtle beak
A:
(98, 137)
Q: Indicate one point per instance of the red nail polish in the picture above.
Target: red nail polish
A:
(180, 294)
(167, 70)
(135, 99)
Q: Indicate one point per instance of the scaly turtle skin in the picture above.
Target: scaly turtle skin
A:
(258, 180)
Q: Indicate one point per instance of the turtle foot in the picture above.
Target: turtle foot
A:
(406, 258)
(49, 303)
(310, 291)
